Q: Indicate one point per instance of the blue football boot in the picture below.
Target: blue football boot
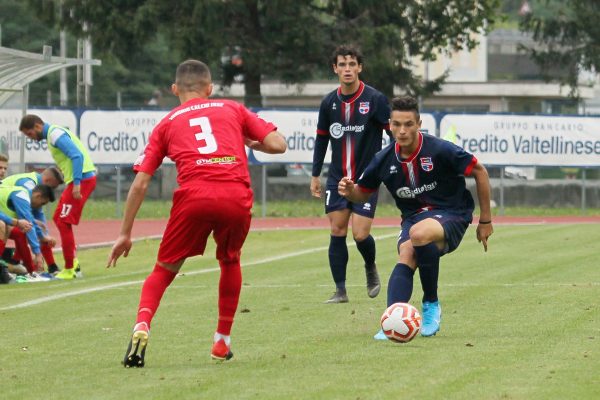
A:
(380, 335)
(432, 315)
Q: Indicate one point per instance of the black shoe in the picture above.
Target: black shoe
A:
(53, 269)
(339, 296)
(136, 350)
(373, 283)
(5, 277)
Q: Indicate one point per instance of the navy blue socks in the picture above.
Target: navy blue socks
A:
(400, 285)
(367, 249)
(428, 261)
(338, 260)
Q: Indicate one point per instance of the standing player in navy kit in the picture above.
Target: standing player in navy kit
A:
(426, 177)
(353, 118)
(205, 138)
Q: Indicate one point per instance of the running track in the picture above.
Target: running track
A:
(99, 233)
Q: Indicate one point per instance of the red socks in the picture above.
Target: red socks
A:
(152, 291)
(47, 253)
(22, 248)
(67, 241)
(230, 285)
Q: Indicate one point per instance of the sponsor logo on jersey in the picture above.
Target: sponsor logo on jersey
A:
(393, 170)
(337, 130)
(426, 164)
(333, 106)
(408, 193)
(363, 107)
(217, 160)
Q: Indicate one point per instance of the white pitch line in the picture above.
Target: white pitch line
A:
(59, 296)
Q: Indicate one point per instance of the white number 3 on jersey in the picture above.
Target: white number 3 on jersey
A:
(206, 135)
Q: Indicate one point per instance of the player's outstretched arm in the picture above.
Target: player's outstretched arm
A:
(273, 143)
(349, 190)
(482, 181)
(135, 197)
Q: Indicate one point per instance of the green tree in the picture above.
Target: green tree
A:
(391, 33)
(568, 38)
(285, 40)
(30, 25)
(279, 39)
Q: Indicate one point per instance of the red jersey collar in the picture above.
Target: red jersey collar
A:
(414, 154)
(360, 90)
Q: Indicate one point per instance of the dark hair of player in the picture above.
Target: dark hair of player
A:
(29, 120)
(346, 50)
(192, 75)
(406, 103)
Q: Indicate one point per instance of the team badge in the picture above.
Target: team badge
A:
(363, 107)
(426, 164)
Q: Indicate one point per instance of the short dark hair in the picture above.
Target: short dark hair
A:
(29, 121)
(406, 103)
(346, 50)
(57, 174)
(46, 191)
(192, 75)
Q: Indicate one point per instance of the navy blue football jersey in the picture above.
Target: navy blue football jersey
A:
(433, 177)
(355, 126)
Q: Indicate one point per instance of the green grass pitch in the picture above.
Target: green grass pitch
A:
(519, 322)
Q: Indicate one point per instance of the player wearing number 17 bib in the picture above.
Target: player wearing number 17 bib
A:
(205, 138)
(80, 179)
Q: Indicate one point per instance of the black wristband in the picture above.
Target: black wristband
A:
(485, 222)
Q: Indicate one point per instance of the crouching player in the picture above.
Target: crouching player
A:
(51, 177)
(425, 176)
(18, 222)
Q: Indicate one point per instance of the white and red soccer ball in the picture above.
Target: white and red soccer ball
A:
(401, 322)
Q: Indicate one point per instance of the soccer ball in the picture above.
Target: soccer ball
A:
(401, 322)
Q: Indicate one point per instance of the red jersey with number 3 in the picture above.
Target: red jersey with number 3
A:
(205, 139)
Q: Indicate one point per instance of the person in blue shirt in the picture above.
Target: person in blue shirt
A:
(17, 219)
(352, 119)
(80, 179)
(426, 177)
(52, 177)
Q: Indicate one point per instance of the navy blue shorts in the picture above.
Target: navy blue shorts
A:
(454, 224)
(334, 202)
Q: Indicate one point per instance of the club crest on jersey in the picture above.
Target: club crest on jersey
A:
(363, 107)
(426, 164)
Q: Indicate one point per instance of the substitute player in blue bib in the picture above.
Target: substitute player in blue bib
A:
(426, 177)
(352, 118)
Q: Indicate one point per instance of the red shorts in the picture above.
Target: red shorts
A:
(222, 209)
(68, 208)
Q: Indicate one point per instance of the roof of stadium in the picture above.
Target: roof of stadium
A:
(20, 68)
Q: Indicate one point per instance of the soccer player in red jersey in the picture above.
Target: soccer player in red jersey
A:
(205, 138)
